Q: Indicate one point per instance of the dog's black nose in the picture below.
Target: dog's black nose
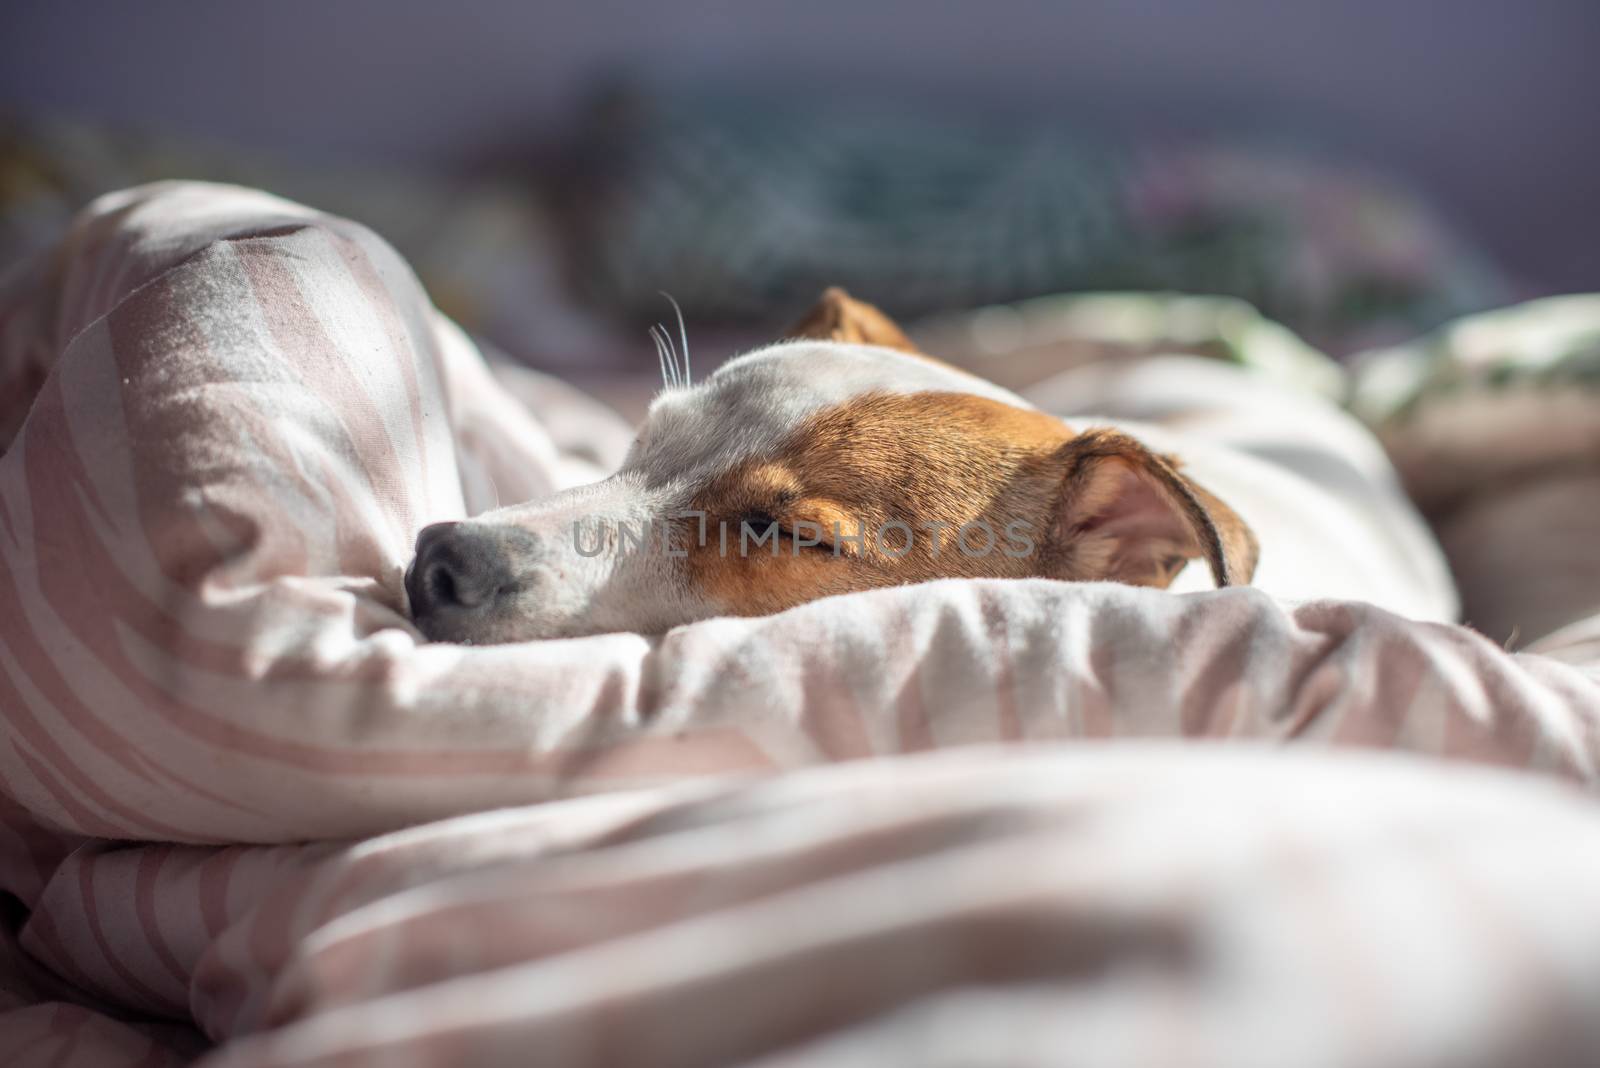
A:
(456, 566)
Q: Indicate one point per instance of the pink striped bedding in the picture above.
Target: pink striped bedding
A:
(239, 412)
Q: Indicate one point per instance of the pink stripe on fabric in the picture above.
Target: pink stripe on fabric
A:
(217, 988)
(1399, 672)
(198, 791)
(147, 879)
(1008, 723)
(833, 720)
(65, 1028)
(305, 347)
(1209, 700)
(134, 989)
(829, 715)
(914, 731)
(703, 751)
(290, 543)
(1092, 691)
(272, 929)
(1492, 739)
(357, 250)
(1321, 678)
(216, 875)
(87, 820)
(7, 522)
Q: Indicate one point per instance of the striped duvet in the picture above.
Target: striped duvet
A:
(247, 815)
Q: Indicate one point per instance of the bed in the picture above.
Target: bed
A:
(248, 817)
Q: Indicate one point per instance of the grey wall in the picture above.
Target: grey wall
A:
(1489, 105)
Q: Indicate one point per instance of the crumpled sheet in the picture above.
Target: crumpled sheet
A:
(247, 411)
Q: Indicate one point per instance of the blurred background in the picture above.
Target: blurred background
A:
(1360, 170)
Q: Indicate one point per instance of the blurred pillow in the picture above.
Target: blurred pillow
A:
(1494, 424)
(1490, 399)
(740, 208)
(486, 250)
(1019, 345)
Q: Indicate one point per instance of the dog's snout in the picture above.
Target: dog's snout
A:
(456, 566)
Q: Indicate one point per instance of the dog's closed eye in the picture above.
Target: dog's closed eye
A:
(758, 522)
(803, 533)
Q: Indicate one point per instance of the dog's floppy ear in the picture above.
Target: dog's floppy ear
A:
(1125, 514)
(837, 316)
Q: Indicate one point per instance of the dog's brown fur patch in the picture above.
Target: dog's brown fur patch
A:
(1096, 505)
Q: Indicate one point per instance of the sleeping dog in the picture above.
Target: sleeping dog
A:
(844, 459)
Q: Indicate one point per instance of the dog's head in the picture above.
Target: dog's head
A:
(839, 459)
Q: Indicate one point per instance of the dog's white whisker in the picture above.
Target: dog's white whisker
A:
(672, 354)
(661, 357)
(667, 376)
(678, 367)
(688, 377)
(677, 358)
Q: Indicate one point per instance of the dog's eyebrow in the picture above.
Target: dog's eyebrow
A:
(773, 479)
